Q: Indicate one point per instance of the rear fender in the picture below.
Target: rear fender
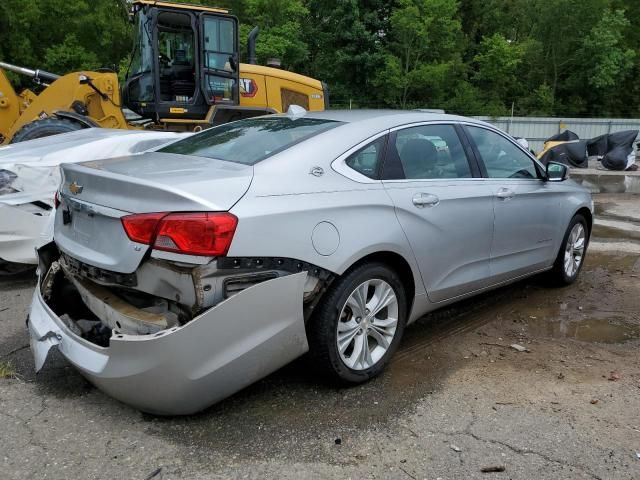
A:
(185, 369)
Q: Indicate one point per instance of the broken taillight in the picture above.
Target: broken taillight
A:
(198, 233)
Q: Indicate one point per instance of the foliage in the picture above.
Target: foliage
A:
(539, 57)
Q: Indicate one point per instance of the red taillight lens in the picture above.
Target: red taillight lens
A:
(200, 233)
(56, 200)
(142, 227)
(204, 233)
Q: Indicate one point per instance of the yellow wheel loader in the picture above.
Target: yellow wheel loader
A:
(185, 75)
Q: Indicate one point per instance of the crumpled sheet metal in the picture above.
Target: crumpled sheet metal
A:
(36, 162)
(36, 165)
(185, 369)
(21, 232)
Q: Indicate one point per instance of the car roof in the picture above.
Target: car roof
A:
(383, 119)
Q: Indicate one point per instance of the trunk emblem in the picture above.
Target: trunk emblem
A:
(75, 188)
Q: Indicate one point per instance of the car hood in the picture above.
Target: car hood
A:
(31, 169)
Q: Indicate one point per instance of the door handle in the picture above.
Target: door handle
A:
(422, 200)
(505, 193)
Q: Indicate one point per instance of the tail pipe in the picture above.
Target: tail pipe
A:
(40, 76)
(251, 46)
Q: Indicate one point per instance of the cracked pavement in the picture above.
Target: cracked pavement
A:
(456, 398)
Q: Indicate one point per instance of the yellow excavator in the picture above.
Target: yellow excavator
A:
(185, 75)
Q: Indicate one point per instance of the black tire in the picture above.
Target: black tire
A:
(322, 328)
(558, 274)
(45, 128)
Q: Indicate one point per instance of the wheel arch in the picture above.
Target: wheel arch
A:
(399, 264)
(588, 216)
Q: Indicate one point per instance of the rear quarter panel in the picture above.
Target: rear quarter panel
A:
(283, 225)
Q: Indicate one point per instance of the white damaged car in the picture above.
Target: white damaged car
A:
(30, 176)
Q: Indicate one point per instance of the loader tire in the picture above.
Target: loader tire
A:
(45, 128)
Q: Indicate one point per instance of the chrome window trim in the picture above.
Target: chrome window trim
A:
(427, 123)
(339, 164)
(509, 138)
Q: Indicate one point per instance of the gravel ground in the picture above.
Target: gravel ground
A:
(456, 398)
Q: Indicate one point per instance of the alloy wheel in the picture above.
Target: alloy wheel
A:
(367, 324)
(574, 250)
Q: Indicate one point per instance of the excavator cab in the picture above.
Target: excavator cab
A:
(185, 60)
(184, 75)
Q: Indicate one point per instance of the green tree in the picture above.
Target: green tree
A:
(63, 35)
(603, 48)
(281, 31)
(424, 46)
(345, 44)
(497, 63)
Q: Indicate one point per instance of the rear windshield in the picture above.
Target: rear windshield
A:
(252, 140)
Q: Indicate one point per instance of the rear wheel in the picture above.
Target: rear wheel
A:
(358, 325)
(572, 252)
(45, 128)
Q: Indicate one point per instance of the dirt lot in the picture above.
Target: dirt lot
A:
(456, 399)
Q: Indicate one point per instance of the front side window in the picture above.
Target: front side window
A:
(367, 160)
(252, 140)
(501, 157)
(427, 152)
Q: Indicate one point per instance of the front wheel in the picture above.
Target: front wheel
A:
(358, 325)
(572, 252)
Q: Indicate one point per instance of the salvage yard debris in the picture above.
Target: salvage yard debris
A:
(493, 469)
(614, 376)
(519, 348)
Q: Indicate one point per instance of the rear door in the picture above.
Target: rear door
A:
(528, 210)
(443, 206)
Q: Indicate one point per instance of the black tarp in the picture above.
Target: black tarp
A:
(566, 136)
(613, 149)
(573, 153)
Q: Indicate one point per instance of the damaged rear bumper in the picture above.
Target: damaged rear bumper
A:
(185, 369)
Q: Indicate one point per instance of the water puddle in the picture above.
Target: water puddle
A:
(597, 330)
(609, 183)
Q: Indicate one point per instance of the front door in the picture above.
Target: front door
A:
(443, 207)
(220, 68)
(528, 210)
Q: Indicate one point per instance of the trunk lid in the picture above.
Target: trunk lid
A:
(96, 194)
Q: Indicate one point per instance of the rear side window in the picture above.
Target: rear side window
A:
(252, 140)
(426, 152)
(367, 160)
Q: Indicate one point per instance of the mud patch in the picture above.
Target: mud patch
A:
(593, 330)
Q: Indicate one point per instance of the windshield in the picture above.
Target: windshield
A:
(252, 140)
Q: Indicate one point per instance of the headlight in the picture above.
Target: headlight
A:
(7, 177)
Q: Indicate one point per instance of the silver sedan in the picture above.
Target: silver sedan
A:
(182, 275)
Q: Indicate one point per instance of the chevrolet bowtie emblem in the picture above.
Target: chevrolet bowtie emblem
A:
(75, 188)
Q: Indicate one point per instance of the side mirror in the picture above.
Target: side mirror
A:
(557, 172)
